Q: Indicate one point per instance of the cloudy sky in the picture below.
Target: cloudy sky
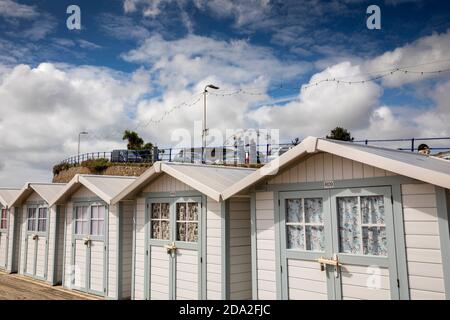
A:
(133, 61)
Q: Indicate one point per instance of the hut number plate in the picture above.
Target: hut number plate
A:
(328, 184)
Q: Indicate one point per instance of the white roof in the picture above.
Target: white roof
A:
(105, 187)
(45, 190)
(414, 165)
(7, 196)
(210, 180)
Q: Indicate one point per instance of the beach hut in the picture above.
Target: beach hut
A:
(39, 237)
(339, 220)
(97, 236)
(187, 242)
(7, 230)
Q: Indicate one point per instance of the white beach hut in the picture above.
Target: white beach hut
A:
(39, 237)
(97, 236)
(336, 220)
(7, 230)
(187, 242)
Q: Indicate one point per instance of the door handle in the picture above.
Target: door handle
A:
(171, 248)
(35, 237)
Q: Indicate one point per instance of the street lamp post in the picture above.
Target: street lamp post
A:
(79, 140)
(205, 128)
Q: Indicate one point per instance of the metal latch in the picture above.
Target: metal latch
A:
(35, 237)
(87, 242)
(330, 262)
(171, 248)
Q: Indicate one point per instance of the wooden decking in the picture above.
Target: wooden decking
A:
(17, 287)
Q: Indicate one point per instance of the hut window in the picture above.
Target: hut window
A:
(31, 222)
(42, 220)
(3, 219)
(304, 224)
(362, 228)
(159, 221)
(81, 220)
(187, 221)
(97, 220)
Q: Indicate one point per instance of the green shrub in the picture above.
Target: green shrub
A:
(60, 167)
(96, 165)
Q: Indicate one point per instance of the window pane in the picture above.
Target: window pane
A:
(192, 232)
(156, 209)
(314, 210)
(181, 211)
(101, 212)
(78, 227)
(85, 215)
(193, 212)
(101, 228)
(3, 213)
(181, 231)
(374, 241)
(372, 210)
(85, 227)
(43, 213)
(165, 210)
(295, 237)
(78, 214)
(294, 210)
(315, 238)
(94, 227)
(165, 230)
(94, 212)
(155, 230)
(349, 225)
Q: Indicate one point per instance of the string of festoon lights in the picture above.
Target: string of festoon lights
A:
(370, 77)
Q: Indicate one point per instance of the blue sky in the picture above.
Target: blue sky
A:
(134, 60)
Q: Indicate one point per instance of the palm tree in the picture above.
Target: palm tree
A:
(134, 141)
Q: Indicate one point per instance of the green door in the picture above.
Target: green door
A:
(338, 244)
(173, 264)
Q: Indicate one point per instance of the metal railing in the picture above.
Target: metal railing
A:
(237, 154)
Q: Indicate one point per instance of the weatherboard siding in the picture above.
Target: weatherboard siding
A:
(112, 255)
(139, 250)
(166, 183)
(265, 245)
(68, 267)
(126, 244)
(213, 250)
(423, 249)
(324, 167)
(240, 249)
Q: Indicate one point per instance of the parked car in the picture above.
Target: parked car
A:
(135, 156)
(214, 155)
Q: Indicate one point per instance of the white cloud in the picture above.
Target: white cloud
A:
(12, 9)
(44, 108)
(421, 52)
(319, 109)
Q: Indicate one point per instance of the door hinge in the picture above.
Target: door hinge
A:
(392, 199)
(398, 283)
(281, 269)
(147, 206)
(201, 260)
(279, 202)
(104, 290)
(146, 252)
(105, 248)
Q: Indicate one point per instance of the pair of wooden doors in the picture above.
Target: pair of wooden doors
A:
(337, 244)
